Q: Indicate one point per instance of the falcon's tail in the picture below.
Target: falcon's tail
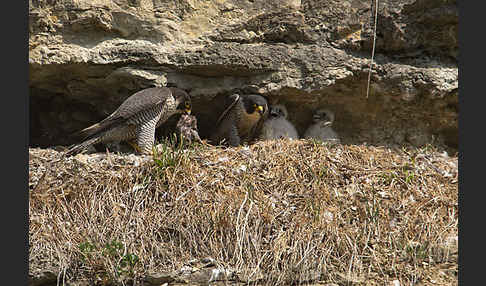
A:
(75, 149)
(86, 132)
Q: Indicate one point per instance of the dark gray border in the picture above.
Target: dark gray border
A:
(469, 118)
(15, 137)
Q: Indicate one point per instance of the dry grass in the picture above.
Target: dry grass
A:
(277, 213)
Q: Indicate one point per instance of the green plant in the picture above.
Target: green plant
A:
(373, 210)
(323, 172)
(409, 176)
(113, 251)
(388, 177)
(417, 251)
(87, 249)
(169, 154)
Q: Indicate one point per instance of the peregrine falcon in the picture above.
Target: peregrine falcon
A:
(321, 128)
(136, 119)
(241, 119)
(277, 126)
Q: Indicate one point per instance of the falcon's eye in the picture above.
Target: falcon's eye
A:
(187, 105)
(254, 105)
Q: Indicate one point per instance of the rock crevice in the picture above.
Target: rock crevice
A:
(86, 57)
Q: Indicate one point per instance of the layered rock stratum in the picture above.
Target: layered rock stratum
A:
(86, 57)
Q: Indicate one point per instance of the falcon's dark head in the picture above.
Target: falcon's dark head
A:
(182, 100)
(323, 115)
(278, 110)
(255, 103)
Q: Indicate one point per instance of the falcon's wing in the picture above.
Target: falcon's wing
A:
(140, 101)
(234, 99)
(136, 103)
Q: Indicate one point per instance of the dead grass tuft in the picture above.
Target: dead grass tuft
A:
(276, 212)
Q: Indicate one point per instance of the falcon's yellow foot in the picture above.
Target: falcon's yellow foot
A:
(203, 142)
(135, 146)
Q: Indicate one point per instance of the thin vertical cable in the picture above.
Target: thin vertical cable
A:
(373, 49)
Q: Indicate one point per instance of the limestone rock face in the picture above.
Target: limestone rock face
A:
(87, 56)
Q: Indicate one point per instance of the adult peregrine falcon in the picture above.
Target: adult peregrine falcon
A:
(276, 126)
(136, 119)
(322, 126)
(241, 119)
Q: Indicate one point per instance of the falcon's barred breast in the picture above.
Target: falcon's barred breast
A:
(241, 120)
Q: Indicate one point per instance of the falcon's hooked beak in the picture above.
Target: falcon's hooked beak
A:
(187, 109)
(324, 121)
(260, 109)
